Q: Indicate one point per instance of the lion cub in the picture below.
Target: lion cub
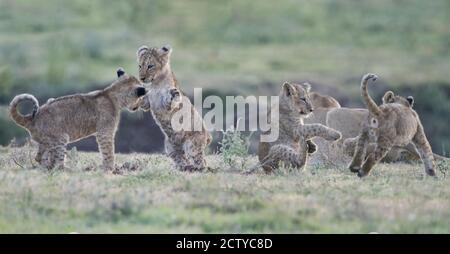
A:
(293, 143)
(69, 118)
(396, 153)
(165, 100)
(391, 124)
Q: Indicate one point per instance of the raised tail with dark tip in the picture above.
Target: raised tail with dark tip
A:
(23, 120)
(371, 105)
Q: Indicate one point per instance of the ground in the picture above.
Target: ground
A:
(151, 197)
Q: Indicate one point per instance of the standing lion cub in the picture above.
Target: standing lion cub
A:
(69, 118)
(165, 100)
(391, 124)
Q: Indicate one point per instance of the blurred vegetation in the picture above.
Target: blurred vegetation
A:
(50, 48)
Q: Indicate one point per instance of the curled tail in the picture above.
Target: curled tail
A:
(23, 120)
(371, 105)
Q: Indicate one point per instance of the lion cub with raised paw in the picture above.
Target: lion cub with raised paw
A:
(391, 124)
(186, 147)
(293, 143)
(69, 118)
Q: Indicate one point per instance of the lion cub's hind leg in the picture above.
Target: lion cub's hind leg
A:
(199, 161)
(424, 148)
(178, 156)
(194, 150)
(58, 151)
(287, 155)
(52, 151)
(42, 149)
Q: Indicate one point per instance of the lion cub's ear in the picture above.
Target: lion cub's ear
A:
(288, 89)
(141, 50)
(410, 100)
(166, 50)
(120, 72)
(388, 97)
(306, 86)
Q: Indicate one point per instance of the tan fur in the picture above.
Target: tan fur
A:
(164, 99)
(323, 101)
(391, 124)
(293, 143)
(69, 118)
(322, 104)
(349, 122)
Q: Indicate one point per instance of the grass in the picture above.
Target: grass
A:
(154, 198)
(224, 45)
(50, 48)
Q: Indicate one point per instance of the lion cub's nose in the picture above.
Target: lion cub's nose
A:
(141, 91)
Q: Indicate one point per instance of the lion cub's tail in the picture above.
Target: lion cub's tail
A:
(371, 105)
(23, 120)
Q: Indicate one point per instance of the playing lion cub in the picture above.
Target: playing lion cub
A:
(391, 124)
(69, 118)
(165, 100)
(294, 141)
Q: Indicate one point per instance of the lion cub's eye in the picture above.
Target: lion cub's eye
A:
(303, 99)
(140, 66)
(150, 66)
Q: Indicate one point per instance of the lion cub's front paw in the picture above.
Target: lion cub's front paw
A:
(173, 99)
(354, 168)
(362, 173)
(144, 104)
(175, 95)
(430, 171)
(335, 135)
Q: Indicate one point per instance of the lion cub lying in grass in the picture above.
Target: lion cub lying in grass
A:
(391, 124)
(293, 143)
(69, 118)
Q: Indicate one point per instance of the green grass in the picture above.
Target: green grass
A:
(396, 198)
(50, 48)
(224, 45)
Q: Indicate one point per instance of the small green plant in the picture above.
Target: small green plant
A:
(443, 167)
(234, 147)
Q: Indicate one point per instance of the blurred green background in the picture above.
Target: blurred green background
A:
(52, 48)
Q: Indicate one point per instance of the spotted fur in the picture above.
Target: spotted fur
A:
(164, 99)
(391, 124)
(70, 118)
(294, 141)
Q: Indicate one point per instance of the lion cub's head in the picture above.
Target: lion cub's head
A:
(390, 97)
(294, 99)
(152, 61)
(127, 90)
